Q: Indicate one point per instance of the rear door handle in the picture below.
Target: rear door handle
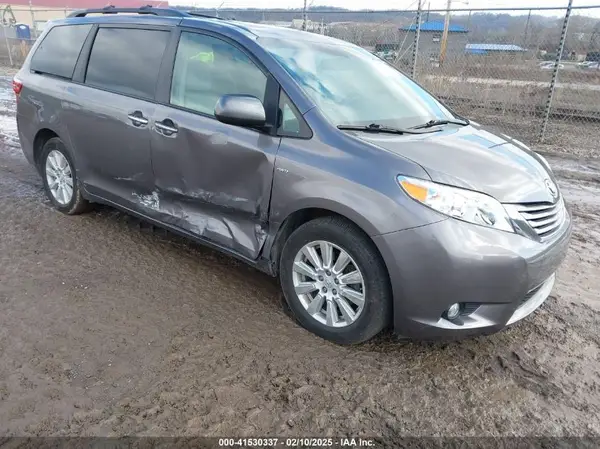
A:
(166, 127)
(137, 118)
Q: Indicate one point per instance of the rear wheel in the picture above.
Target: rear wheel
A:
(335, 282)
(60, 178)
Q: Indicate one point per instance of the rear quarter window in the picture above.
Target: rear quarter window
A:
(57, 54)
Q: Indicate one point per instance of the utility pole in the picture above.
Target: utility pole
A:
(217, 9)
(469, 21)
(32, 14)
(553, 80)
(526, 30)
(304, 17)
(7, 43)
(444, 43)
(416, 43)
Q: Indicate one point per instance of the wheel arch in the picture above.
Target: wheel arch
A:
(41, 137)
(339, 230)
(302, 215)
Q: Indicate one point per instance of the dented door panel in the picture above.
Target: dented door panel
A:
(113, 154)
(212, 179)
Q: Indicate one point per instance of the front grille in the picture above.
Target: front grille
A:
(544, 218)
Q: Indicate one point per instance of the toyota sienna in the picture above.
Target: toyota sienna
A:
(305, 156)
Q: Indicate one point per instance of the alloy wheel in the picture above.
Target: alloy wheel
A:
(59, 177)
(329, 283)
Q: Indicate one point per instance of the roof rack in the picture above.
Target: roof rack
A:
(148, 9)
(199, 14)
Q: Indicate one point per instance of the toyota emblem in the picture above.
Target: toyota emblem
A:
(551, 188)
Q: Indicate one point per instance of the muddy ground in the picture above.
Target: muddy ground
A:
(110, 327)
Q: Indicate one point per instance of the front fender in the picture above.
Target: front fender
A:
(362, 190)
(366, 211)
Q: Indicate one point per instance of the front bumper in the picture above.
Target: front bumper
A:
(500, 277)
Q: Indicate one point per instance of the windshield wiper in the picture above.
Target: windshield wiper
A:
(438, 122)
(375, 128)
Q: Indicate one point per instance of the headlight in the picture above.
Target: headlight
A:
(462, 204)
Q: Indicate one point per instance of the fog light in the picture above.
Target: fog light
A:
(453, 311)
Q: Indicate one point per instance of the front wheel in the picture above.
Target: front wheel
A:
(335, 281)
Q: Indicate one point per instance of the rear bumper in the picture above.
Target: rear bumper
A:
(500, 277)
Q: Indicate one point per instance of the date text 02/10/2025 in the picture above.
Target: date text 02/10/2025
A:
(296, 442)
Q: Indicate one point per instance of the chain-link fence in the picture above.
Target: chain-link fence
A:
(496, 66)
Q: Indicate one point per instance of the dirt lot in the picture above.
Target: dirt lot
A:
(111, 327)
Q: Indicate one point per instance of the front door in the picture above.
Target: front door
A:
(213, 179)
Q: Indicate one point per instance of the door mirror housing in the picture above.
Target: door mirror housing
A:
(240, 110)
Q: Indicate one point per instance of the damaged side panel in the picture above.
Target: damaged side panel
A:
(213, 180)
(225, 229)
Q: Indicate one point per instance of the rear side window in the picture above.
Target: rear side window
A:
(127, 60)
(57, 54)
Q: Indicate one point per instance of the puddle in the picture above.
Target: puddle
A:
(8, 131)
(8, 123)
(6, 92)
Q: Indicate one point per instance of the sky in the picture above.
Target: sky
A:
(389, 4)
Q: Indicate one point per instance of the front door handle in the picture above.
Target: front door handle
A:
(166, 127)
(137, 118)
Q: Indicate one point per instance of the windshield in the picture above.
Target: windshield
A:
(353, 87)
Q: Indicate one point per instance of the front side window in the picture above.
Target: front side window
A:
(291, 123)
(57, 54)
(206, 68)
(350, 86)
(127, 60)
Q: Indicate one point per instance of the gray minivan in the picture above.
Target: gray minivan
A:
(305, 156)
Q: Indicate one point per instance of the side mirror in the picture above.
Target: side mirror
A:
(240, 110)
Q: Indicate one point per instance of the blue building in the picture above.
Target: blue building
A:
(436, 27)
(493, 49)
(430, 38)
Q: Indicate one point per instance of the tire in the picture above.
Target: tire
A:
(376, 312)
(75, 204)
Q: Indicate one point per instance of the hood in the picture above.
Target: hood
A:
(475, 159)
